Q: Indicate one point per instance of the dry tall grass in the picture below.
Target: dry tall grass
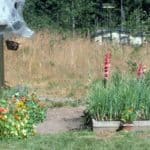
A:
(64, 67)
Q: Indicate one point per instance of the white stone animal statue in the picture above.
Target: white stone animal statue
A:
(11, 18)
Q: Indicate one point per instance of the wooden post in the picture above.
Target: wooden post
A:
(1, 61)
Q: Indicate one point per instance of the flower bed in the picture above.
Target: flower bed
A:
(125, 99)
(120, 98)
(19, 116)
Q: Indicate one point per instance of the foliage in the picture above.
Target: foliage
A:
(17, 91)
(125, 98)
(19, 115)
(81, 15)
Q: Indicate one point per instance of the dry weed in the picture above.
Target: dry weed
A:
(65, 66)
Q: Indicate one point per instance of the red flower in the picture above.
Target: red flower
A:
(107, 61)
(141, 71)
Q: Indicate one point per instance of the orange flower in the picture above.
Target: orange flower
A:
(1, 116)
(17, 117)
(3, 110)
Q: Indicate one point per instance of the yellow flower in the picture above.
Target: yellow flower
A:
(22, 124)
(24, 132)
(34, 132)
(3, 117)
(17, 126)
(21, 105)
(130, 110)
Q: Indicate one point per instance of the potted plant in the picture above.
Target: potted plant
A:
(103, 108)
(124, 99)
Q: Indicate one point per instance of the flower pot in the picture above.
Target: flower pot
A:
(11, 45)
(105, 126)
(142, 125)
(127, 127)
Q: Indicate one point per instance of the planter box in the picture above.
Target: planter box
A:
(141, 125)
(113, 126)
(105, 126)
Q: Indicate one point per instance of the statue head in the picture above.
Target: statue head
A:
(11, 18)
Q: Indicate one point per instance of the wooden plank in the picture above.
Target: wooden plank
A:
(1, 61)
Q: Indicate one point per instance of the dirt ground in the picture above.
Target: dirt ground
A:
(62, 119)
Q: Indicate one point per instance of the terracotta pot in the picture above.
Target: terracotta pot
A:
(127, 127)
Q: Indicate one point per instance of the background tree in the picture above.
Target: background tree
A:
(87, 15)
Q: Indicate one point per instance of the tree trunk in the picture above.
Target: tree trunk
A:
(122, 14)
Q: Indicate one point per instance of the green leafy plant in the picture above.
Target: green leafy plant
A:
(36, 109)
(128, 116)
(17, 92)
(101, 105)
(19, 116)
(125, 98)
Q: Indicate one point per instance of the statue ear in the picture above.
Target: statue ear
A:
(16, 5)
(22, 1)
(19, 4)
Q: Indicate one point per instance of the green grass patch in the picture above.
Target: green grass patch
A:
(80, 141)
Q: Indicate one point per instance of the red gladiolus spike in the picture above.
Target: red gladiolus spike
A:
(107, 65)
(141, 71)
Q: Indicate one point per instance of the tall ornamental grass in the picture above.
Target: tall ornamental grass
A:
(125, 98)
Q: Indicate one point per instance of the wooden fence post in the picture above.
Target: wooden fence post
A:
(1, 61)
